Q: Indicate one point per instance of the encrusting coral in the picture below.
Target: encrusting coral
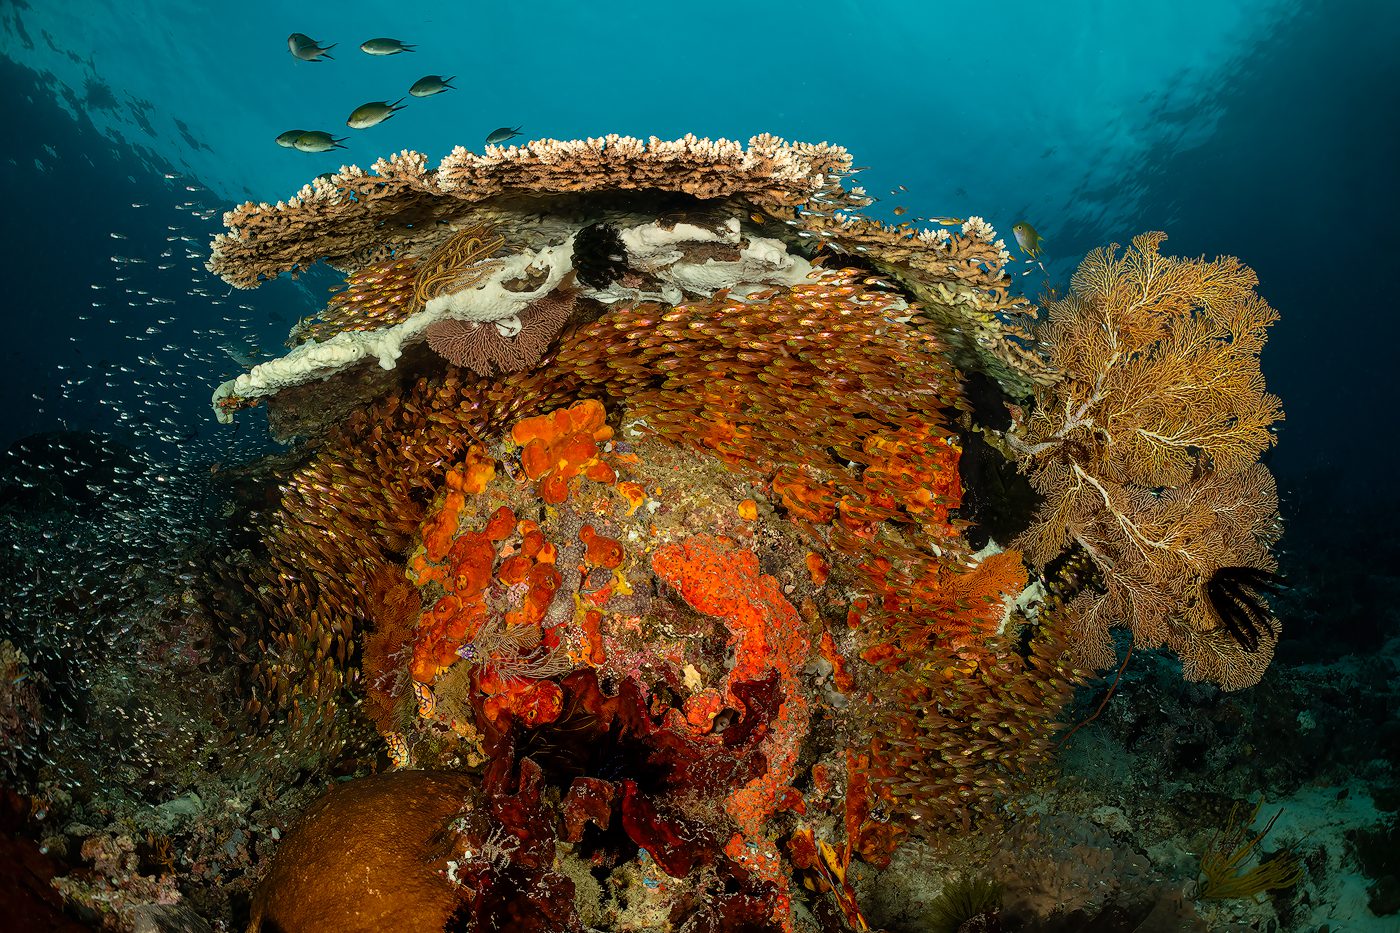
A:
(692, 553)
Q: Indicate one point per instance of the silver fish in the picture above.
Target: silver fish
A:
(384, 47)
(428, 85)
(317, 141)
(288, 140)
(372, 114)
(308, 49)
(501, 134)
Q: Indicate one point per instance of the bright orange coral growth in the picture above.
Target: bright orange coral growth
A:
(554, 488)
(748, 510)
(840, 674)
(600, 550)
(502, 523)
(439, 530)
(561, 445)
(531, 538)
(818, 568)
(476, 473)
(472, 556)
(514, 569)
(702, 708)
(635, 494)
(600, 472)
(532, 703)
(718, 578)
(804, 497)
(440, 632)
(593, 635)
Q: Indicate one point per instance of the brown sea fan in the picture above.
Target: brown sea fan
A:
(482, 348)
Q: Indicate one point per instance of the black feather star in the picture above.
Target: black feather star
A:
(1237, 595)
(600, 258)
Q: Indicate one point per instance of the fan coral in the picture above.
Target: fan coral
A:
(486, 348)
(1145, 451)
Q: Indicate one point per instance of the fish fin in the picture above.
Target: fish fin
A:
(446, 85)
(407, 48)
(395, 104)
(329, 57)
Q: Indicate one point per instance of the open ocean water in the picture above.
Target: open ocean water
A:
(699, 532)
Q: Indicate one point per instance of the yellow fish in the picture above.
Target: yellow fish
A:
(1028, 239)
(372, 114)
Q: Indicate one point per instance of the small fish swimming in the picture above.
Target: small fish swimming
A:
(501, 134)
(317, 141)
(948, 221)
(308, 49)
(1028, 239)
(372, 114)
(428, 85)
(384, 47)
(288, 140)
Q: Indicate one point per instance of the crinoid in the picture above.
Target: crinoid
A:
(515, 652)
(457, 264)
(1237, 596)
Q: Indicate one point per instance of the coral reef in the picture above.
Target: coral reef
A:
(786, 197)
(631, 549)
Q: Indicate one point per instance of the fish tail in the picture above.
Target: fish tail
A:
(395, 104)
(407, 48)
(331, 57)
(445, 82)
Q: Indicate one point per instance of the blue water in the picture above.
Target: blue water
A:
(1266, 129)
(1262, 129)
